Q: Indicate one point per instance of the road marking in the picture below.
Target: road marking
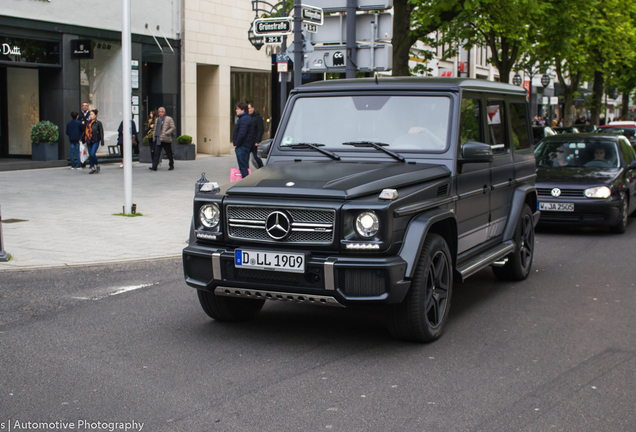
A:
(116, 291)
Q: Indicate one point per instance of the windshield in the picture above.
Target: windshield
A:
(403, 122)
(588, 154)
(628, 132)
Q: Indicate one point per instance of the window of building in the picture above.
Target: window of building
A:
(519, 123)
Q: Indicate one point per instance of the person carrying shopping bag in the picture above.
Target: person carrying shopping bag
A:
(93, 137)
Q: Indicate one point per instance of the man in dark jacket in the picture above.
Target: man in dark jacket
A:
(257, 125)
(74, 132)
(243, 138)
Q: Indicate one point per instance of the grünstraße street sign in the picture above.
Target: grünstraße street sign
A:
(273, 26)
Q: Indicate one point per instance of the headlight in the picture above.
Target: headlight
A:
(598, 192)
(209, 215)
(367, 224)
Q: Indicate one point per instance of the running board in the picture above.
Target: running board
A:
(486, 258)
(277, 295)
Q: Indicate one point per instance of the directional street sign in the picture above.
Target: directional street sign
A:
(334, 30)
(312, 14)
(332, 58)
(341, 5)
(311, 28)
(273, 26)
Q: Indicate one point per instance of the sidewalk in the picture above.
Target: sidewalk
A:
(68, 214)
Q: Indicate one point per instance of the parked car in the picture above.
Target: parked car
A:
(586, 128)
(627, 130)
(375, 192)
(586, 180)
(565, 130)
(540, 132)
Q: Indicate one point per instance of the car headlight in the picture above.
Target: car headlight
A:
(367, 224)
(209, 215)
(598, 192)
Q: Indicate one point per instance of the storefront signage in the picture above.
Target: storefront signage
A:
(19, 50)
(81, 49)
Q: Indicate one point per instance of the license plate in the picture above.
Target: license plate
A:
(563, 207)
(267, 260)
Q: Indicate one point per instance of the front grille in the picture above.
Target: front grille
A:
(308, 226)
(198, 268)
(361, 283)
(312, 278)
(574, 193)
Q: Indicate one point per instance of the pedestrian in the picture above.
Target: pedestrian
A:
(257, 124)
(93, 137)
(74, 132)
(84, 116)
(120, 139)
(164, 129)
(149, 132)
(240, 138)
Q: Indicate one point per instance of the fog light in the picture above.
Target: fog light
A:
(368, 246)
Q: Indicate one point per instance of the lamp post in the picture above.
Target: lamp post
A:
(516, 80)
(256, 41)
(545, 82)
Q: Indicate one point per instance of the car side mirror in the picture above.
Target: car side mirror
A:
(473, 152)
(263, 149)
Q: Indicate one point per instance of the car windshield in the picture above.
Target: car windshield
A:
(566, 154)
(627, 132)
(419, 123)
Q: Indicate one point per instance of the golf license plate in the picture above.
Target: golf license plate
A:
(267, 260)
(562, 207)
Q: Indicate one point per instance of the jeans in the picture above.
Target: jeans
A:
(259, 162)
(75, 156)
(92, 153)
(243, 159)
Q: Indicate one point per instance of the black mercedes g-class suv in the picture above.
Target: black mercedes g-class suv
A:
(375, 191)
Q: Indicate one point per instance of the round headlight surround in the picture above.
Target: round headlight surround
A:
(367, 224)
(210, 215)
(598, 192)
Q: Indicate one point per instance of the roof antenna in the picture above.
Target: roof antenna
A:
(376, 77)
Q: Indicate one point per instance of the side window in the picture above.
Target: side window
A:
(518, 121)
(497, 126)
(470, 121)
(628, 151)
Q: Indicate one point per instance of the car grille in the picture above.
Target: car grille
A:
(575, 193)
(362, 283)
(308, 226)
(198, 268)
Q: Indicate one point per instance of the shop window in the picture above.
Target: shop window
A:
(24, 108)
(255, 88)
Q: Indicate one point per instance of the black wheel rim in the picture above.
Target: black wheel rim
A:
(437, 287)
(527, 242)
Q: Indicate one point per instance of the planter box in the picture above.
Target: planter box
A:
(44, 151)
(144, 154)
(184, 152)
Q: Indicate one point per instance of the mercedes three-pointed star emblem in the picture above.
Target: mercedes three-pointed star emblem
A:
(278, 225)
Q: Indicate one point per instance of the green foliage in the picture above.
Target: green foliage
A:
(44, 132)
(146, 141)
(127, 215)
(184, 140)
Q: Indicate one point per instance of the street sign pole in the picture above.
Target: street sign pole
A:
(351, 60)
(281, 77)
(298, 44)
(126, 100)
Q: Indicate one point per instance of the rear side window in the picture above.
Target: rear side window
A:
(470, 122)
(519, 123)
(497, 126)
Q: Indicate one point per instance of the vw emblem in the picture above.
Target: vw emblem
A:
(278, 225)
(556, 192)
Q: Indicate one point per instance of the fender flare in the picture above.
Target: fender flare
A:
(416, 233)
(519, 198)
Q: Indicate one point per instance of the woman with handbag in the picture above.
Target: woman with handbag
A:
(93, 137)
(120, 140)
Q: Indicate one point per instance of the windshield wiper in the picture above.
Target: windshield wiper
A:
(377, 146)
(315, 146)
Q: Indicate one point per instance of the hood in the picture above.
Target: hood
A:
(331, 179)
(576, 176)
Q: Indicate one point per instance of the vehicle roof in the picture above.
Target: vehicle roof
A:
(619, 123)
(412, 83)
(590, 136)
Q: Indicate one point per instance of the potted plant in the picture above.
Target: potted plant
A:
(144, 150)
(44, 141)
(184, 150)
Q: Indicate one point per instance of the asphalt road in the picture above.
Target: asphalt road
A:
(129, 343)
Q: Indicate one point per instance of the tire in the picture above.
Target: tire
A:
(422, 314)
(520, 261)
(230, 309)
(622, 225)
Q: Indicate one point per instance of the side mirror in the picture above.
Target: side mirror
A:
(476, 152)
(263, 149)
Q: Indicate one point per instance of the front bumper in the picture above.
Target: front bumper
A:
(588, 212)
(348, 280)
